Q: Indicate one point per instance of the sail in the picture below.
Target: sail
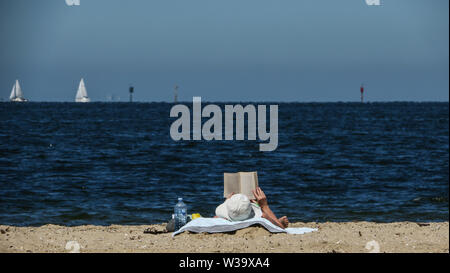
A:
(13, 93)
(19, 93)
(82, 95)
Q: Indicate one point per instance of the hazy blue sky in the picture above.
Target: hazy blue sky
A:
(233, 50)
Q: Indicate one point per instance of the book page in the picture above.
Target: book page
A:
(231, 184)
(249, 182)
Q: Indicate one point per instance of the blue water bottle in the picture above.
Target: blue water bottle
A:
(180, 214)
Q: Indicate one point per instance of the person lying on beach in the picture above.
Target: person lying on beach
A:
(237, 207)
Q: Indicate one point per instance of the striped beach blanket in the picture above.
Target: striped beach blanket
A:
(217, 225)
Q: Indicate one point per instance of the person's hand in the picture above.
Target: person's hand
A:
(260, 197)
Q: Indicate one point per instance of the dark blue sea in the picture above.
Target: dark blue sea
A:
(115, 163)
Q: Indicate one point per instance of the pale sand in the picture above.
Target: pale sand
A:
(331, 237)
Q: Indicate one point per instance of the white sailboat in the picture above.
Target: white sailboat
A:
(82, 95)
(16, 93)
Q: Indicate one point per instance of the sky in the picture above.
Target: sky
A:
(226, 50)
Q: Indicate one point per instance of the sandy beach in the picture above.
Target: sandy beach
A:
(347, 237)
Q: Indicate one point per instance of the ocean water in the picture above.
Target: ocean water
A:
(115, 163)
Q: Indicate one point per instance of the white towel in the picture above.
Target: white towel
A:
(215, 225)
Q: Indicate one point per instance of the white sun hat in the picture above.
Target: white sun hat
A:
(236, 208)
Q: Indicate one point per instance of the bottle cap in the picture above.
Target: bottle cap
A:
(180, 199)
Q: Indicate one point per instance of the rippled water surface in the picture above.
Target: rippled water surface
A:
(115, 163)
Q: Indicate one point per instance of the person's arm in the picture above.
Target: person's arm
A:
(266, 211)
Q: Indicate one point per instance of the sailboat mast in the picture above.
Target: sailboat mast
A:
(131, 90)
(15, 89)
(362, 93)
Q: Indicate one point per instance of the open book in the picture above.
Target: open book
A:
(242, 182)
